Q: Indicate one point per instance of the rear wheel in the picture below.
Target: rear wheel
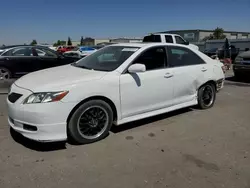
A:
(206, 96)
(5, 74)
(90, 122)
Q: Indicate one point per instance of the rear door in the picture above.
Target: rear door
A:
(20, 60)
(189, 73)
(47, 58)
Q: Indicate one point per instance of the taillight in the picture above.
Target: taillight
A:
(224, 68)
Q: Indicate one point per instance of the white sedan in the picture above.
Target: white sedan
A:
(80, 51)
(115, 85)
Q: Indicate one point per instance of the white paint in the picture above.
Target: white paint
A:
(135, 95)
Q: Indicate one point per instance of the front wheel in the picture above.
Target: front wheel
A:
(5, 74)
(90, 122)
(206, 96)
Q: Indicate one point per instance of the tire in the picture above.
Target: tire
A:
(5, 74)
(86, 119)
(204, 104)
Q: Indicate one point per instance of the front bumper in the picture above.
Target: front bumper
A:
(243, 68)
(49, 119)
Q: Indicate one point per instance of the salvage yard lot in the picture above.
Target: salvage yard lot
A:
(187, 148)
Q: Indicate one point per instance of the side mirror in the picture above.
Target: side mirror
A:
(135, 68)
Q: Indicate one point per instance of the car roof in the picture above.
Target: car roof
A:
(150, 44)
(13, 46)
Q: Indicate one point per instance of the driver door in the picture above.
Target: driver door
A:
(150, 90)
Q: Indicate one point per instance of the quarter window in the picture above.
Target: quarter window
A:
(179, 56)
(152, 38)
(154, 58)
(43, 52)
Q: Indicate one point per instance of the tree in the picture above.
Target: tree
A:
(82, 41)
(69, 43)
(33, 42)
(60, 43)
(218, 33)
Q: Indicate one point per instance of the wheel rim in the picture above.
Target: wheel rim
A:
(93, 122)
(4, 74)
(208, 95)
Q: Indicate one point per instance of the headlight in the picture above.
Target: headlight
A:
(45, 97)
(238, 59)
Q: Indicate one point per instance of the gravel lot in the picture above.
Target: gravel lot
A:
(186, 148)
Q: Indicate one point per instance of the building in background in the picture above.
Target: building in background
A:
(198, 35)
(88, 41)
(126, 40)
(100, 41)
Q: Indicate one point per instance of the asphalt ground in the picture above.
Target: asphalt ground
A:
(186, 148)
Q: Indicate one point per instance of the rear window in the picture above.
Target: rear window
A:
(152, 38)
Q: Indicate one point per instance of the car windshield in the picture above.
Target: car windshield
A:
(106, 59)
(1, 51)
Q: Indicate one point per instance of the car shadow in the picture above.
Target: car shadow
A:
(244, 81)
(37, 146)
(135, 124)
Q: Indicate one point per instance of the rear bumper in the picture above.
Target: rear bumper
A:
(220, 84)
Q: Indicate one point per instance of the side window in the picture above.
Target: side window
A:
(154, 58)
(21, 51)
(152, 38)
(169, 38)
(43, 52)
(179, 40)
(178, 56)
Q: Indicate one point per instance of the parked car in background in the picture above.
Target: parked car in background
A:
(232, 51)
(241, 65)
(63, 49)
(16, 61)
(115, 85)
(168, 38)
(211, 52)
(81, 51)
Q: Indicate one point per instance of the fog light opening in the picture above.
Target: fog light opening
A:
(29, 127)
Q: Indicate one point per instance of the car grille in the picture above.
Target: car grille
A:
(13, 97)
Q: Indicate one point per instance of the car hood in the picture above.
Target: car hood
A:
(194, 46)
(53, 79)
(245, 54)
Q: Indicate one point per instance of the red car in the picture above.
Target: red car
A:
(65, 48)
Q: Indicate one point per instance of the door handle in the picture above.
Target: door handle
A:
(7, 59)
(168, 75)
(204, 69)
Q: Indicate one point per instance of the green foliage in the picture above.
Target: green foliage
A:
(82, 41)
(33, 42)
(60, 43)
(217, 34)
(69, 43)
